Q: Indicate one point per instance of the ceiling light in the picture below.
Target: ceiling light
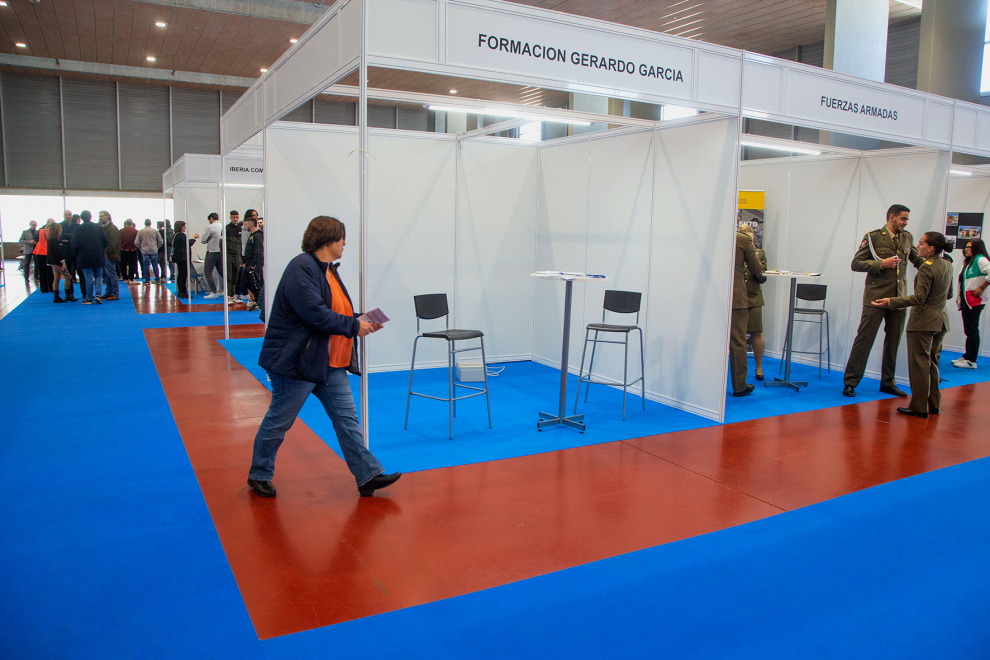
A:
(960, 173)
(453, 91)
(264, 70)
(21, 45)
(150, 58)
(3, 4)
(780, 147)
(293, 40)
(492, 112)
(161, 24)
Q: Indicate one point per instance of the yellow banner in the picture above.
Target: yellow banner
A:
(751, 199)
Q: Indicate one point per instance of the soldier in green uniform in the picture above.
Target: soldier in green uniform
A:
(754, 327)
(927, 325)
(745, 257)
(883, 256)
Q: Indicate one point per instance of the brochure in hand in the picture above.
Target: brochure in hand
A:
(374, 316)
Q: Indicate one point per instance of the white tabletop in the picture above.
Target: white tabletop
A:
(573, 277)
(791, 275)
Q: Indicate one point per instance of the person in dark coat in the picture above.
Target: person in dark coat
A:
(89, 242)
(309, 348)
(179, 256)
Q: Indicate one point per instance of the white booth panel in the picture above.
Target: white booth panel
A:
(308, 173)
(772, 176)
(619, 223)
(403, 28)
(821, 237)
(202, 199)
(966, 195)
(496, 245)
(691, 265)
(561, 245)
(410, 241)
(916, 180)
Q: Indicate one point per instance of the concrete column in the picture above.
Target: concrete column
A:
(950, 57)
(856, 37)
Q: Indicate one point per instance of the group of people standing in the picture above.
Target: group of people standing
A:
(74, 250)
(243, 243)
(883, 255)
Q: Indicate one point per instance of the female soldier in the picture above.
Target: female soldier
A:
(754, 328)
(927, 324)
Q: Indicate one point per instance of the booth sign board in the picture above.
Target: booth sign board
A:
(244, 170)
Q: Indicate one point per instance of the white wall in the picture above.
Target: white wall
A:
(496, 245)
(201, 200)
(693, 249)
(308, 173)
(967, 195)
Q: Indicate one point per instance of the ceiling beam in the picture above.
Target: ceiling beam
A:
(294, 11)
(124, 71)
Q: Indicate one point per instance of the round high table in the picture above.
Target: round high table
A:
(786, 381)
(548, 419)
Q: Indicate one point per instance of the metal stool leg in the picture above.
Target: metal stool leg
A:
(412, 367)
(450, 389)
(625, 374)
(452, 346)
(484, 366)
(642, 367)
(820, 351)
(828, 343)
(591, 366)
(577, 395)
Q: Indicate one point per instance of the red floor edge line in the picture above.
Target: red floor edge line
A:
(317, 554)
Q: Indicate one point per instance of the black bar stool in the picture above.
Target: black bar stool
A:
(617, 302)
(813, 293)
(433, 306)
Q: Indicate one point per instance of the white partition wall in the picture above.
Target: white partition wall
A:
(692, 254)
(496, 245)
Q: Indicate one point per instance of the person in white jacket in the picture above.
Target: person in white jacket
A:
(974, 281)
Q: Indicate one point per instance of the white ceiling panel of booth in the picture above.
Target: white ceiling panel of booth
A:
(245, 168)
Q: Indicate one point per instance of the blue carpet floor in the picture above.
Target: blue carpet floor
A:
(896, 571)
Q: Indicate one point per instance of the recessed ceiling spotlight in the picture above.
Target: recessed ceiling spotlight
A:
(151, 58)
(293, 40)
(2, 3)
(21, 45)
(264, 70)
(453, 91)
(161, 24)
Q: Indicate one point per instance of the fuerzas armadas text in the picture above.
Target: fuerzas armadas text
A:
(872, 110)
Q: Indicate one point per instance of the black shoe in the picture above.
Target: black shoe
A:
(912, 413)
(750, 388)
(377, 483)
(759, 376)
(848, 390)
(933, 411)
(262, 488)
(59, 300)
(97, 301)
(893, 389)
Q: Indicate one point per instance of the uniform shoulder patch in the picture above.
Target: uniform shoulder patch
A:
(928, 262)
(863, 244)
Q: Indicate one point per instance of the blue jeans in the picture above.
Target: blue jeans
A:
(93, 282)
(110, 276)
(288, 397)
(149, 262)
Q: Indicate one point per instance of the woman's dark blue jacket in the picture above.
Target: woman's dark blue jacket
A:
(297, 341)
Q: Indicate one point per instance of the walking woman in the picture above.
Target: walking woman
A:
(927, 325)
(55, 259)
(974, 280)
(309, 348)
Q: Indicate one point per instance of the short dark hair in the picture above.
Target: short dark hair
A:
(322, 230)
(86, 216)
(213, 216)
(250, 212)
(147, 222)
(937, 241)
(234, 213)
(252, 220)
(897, 209)
(180, 226)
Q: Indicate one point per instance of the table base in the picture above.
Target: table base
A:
(547, 419)
(793, 384)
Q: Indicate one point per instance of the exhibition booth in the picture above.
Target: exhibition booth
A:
(200, 184)
(650, 205)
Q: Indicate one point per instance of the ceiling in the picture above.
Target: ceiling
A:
(221, 43)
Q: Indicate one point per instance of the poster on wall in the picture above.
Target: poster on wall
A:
(751, 205)
(964, 227)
